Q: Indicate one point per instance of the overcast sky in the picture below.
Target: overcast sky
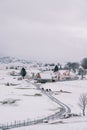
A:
(44, 30)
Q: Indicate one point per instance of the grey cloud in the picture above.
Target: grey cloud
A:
(49, 30)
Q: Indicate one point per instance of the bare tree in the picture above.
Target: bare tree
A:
(83, 102)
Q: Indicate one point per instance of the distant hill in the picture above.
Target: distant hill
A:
(8, 59)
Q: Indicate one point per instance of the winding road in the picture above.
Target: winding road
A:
(64, 109)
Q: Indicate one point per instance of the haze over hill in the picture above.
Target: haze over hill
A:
(8, 59)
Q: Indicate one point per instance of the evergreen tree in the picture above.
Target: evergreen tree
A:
(56, 68)
(23, 72)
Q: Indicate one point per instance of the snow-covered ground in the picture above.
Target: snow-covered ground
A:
(30, 106)
(68, 92)
(70, 124)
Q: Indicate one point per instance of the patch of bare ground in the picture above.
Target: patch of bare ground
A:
(25, 88)
(36, 94)
(57, 122)
(9, 101)
(60, 91)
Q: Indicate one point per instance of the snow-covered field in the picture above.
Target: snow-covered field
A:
(75, 124)
(28, 105)
(32, 104)
(68, 92)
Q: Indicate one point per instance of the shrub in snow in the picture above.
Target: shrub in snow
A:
(84, 63)
(7, 84)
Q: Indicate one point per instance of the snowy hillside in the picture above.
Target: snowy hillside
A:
(7, 60)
